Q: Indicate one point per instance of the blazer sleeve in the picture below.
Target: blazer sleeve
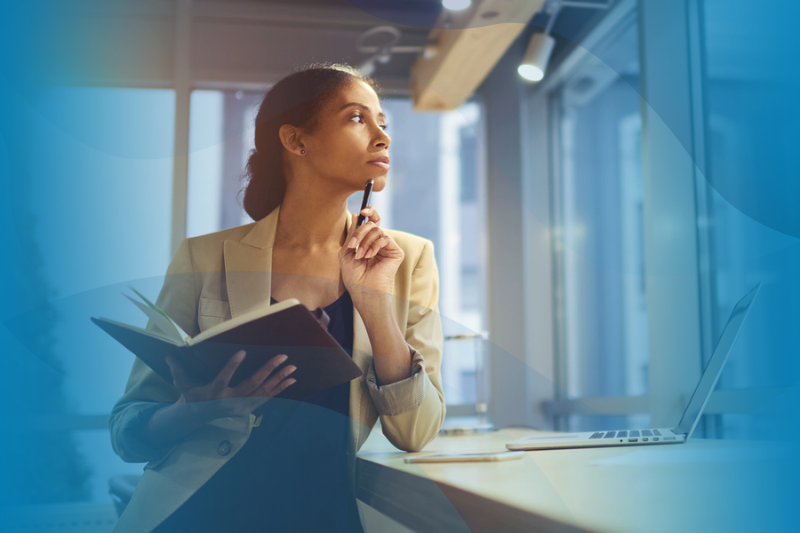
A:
(146, 391)
(412, 410)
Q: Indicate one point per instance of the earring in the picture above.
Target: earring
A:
(302, 151)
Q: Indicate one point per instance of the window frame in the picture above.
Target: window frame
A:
(549, 403)
(679, 307)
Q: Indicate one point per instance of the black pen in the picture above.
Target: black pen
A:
(364, 202)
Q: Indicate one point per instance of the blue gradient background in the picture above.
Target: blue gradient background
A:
(69, 247)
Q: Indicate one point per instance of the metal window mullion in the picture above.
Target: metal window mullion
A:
(705, 235)
(557, 254)
(670, 214)
(538, 261)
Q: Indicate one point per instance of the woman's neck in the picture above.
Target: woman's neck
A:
(311, 219)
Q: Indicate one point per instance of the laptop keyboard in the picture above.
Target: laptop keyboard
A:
(632, 435)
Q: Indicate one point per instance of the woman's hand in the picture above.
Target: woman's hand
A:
(236, 401)
(369, 258)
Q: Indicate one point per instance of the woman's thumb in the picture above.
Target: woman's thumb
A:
(178, 376)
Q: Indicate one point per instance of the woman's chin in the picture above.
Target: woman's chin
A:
(379, 180)
(379, 184)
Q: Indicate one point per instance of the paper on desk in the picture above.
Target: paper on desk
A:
(674, 454)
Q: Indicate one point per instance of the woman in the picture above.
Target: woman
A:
(236, 459)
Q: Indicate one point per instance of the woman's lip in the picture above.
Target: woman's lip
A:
(380, 164)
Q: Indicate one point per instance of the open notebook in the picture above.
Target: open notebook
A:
(287, 327)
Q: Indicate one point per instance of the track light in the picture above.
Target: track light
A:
(382, 51)
(534, 63)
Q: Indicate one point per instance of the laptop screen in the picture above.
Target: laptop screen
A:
(714, 369)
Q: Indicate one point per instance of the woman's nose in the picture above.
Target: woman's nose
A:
(383, 139)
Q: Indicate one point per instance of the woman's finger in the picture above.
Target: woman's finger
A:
(373, 215)
(276, 383)
(282, 386)
(367, 241)
(377, 246)
(354, 241)
(247, 386)
(224, 377)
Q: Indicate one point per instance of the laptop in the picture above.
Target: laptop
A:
(639, 437)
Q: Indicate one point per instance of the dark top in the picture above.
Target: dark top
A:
(293, 472)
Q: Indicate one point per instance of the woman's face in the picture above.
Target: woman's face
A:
(348, 137)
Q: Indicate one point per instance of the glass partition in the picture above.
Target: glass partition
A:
(601, 314)
(750, 186)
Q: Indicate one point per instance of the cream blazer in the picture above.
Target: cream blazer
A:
(217, 276)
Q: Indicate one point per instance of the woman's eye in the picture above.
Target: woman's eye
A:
(361, 119)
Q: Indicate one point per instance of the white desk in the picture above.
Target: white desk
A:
(703, 486)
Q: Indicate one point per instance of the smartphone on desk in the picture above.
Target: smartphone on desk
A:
(464, 457)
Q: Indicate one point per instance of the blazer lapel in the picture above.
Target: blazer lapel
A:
(248, 265)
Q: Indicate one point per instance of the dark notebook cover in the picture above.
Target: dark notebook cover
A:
(321, 363)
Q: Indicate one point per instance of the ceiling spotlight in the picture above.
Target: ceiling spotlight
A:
(534, 62)
(456, 5)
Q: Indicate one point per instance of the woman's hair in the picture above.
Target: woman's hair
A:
(296, 100)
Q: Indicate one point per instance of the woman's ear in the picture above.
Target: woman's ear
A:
(291, 138)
